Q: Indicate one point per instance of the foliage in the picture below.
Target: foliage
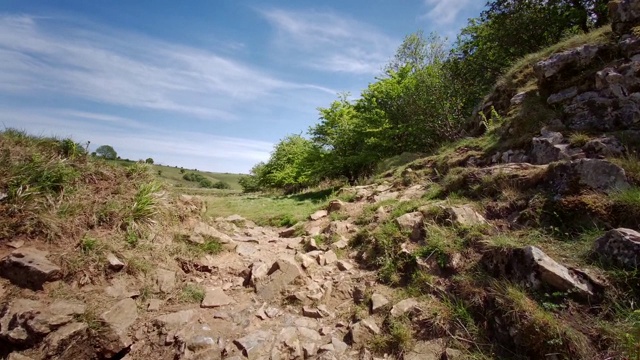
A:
(149, 161)
(107, 152)
(205, 182)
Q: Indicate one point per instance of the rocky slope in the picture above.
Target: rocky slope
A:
(520, 242)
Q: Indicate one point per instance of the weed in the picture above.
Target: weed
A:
(137, 266)
(145, 204)
(396, 339)
(211, 246)
(132, 238)
(192, 294)
(338, 216)
(89, 245)
(579, 140)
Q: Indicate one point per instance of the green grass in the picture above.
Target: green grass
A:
(396, 338)
(192, 294)
(282, 211)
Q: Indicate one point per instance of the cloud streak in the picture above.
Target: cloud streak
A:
(329, 42)
(54, 56)
(446, 12)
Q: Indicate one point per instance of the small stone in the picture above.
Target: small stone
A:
(319, 215)
(165, 280)
(309, 350)
(252, 343)
(288, 232)
(338, 345)
(29, 267)
(340, 244)
(325, 330)
(65, 336)
(272, 312)
(245, 249)
(17, 244)
(312, 244)
(313, 313)
(259, 271)
(344, 265)
(16, 356)
(328, 258)
(306, 261)
(114, 262)
(378, 302)
(154, 304)
(215, 298)
(335, 205)
(452, 354)
(403, 307)
(175, 320)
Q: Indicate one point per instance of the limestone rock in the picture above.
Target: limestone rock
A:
(245, 249)
(344, 265)
(624, 14)
(548, 69)
(252, 343)
(607, 146)
(29, 267)
(118, 318)
(327, 258)
(114, 262)
(215, 298)
(362, 331)
(547, 148)
(319, 215)
(531, 267)
(621, 247)
(563, 95)
(594, 174)
(378, 302)
(335, 205)
(165, 280)
(203, 231)
(259, 271)
(175, 320)
(464, 215)
(412, 223)
(306, 260)
(57, 342)
(282, 273)
(403, 307)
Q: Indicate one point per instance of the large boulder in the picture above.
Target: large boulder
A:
(593, 174)
(532, 268)
(548, 148)
(549, 69)
(621, 247)
(29, 267)
(624, 15)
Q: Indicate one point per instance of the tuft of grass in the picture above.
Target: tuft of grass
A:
(89, 245)
(579, 140)
(145, 204)
(397, 337)
(137, 266)
(631, 166)
(192, 294)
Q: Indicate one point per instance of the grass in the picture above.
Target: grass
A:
(579, 140)
(191, 293)
(282, 211)
(396, 338)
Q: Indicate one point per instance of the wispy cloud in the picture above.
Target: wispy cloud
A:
(130, 138)
(40, 55)
(446, 12)
(330, 42)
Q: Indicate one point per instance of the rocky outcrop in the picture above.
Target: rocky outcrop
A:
(594, 174)
(620, 247)
(624, 14)
(534, 269)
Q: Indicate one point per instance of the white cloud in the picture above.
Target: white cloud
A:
(330, 42)
(445, 12)
(54, 56)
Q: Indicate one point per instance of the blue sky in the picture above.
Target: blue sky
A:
(210, 85)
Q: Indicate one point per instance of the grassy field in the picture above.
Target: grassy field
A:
(173, 176)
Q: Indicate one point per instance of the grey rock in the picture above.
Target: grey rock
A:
(412, 223)
(175, 320)
(344, 265)
(548, 69)
(335, 205)
(403, 307)
(319, 215)
(29, 267)
(547, 148)
(313, 313)
(464, 215)
(251, 344)
(594, 174)
(621, 247)
(604, 147)
(165, 280)
(245, 249)
(339, 346)
(215, 298)
(624, 15)
(118, 319)
(57, 342)
(563, 95)
(114, 262)
(154, 304)
(259, 271)
(362, 331)
(282, 273)
(378, 302)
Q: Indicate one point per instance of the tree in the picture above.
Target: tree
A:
(107, 152)
(149, 161)
(291, 164)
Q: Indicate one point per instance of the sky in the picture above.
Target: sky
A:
(208, 85)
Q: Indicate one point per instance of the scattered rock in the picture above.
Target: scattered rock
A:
(403, 307)
(215, 298)
(114, 262)
(344, 265)
(452, 354)
(57, 343)
(154, 304)
(412, 223)
(312, 244)
(319, 215)
(548, 69)
(621, 247)
(427, 350)
(335, 205)
(16, 244)
(378, 302)
(252, 343)
(165, 280)
(340, 244)
(118, 318)
(315, 313)
(306, 261)
(562, 96)
(236, 220)
(288, 232)
(16, 356)
(282, 273)
(547, 148)
(604, 147)
(362, 331)
(259, 271)
(327, 258)
(29, 267)
(175, 320)
(245, 249)
(463, 215)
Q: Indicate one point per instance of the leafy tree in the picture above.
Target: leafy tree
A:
(107, 152)
(291, 164)
(182, 171)
(253, 181)
(149, 161)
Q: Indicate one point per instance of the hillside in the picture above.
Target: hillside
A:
(519, 241)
